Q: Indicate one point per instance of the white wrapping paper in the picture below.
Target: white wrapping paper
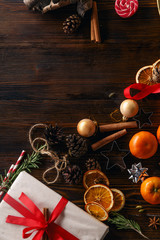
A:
(73, 219)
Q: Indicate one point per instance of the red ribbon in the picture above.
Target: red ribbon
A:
(35, 221)
(144, 89)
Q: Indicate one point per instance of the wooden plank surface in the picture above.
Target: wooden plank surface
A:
(47, 76)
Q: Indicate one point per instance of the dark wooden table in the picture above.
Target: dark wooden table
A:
(48, 77)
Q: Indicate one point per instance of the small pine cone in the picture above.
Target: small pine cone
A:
(36, 5)
(71, 24)
(53, 135)
(72, 175)
(92, 164)
(77, 146)
(156, 74)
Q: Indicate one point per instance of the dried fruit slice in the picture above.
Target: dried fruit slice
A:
(149, 75)
(144, 75)
(93, 177)
(119, 200)
(101, 194)
(97, 211)
(157, 63)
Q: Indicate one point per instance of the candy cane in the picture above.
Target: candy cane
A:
(11, 170)
(5, 179)
(18, 161)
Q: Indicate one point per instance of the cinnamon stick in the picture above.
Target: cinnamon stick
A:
(95, 31)
(117, 126)
(108, 139)
(45, 213)
(92, 29)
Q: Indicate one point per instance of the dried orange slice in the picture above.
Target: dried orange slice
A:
(157, 63)
(101, 194)
(97, 211)
(144, 75)
(119, 200)
(149, 75)
(93, 177)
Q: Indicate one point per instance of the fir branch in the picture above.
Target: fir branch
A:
(30, 162)
(123, 223)
(1, 179)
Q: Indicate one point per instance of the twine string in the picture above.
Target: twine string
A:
(58, 165)
(48, 170)
(62, 164)
(32, 141)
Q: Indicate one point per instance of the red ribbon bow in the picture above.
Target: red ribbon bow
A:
(35, 221)
(144, 89)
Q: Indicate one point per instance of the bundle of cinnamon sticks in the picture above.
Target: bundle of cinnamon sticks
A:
(113, 127)
(95, 31)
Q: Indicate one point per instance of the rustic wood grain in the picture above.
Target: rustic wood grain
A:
(47, 76)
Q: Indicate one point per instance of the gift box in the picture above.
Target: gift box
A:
(72, 218)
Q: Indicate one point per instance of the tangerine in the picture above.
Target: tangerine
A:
(143, 145)
(150, 190)
(158, 134)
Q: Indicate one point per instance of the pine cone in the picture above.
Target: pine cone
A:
(37, 4)
(92, 164)
(71, 24)
(156, 74)
(72, 175)
(54, 135)
(77, 146)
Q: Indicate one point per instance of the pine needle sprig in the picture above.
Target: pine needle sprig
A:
(123, 223)
(30, 162)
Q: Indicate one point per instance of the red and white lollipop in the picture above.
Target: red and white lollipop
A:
(126, 8)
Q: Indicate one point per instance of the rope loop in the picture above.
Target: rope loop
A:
(59, 164)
